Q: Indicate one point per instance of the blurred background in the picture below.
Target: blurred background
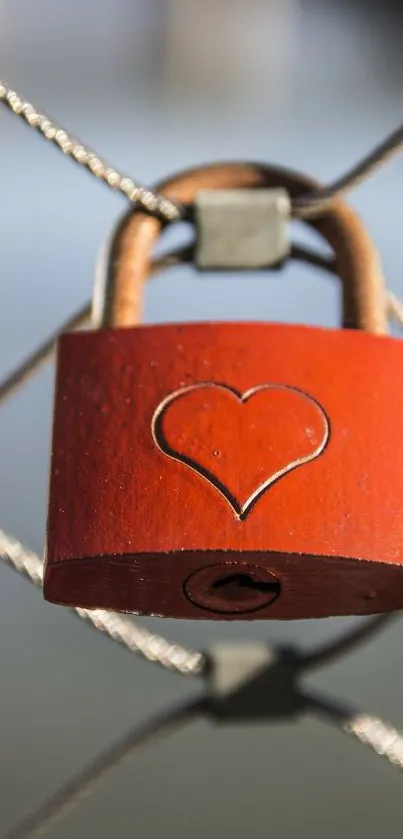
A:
(156, 86)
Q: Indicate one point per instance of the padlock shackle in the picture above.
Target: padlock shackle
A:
(356, 259)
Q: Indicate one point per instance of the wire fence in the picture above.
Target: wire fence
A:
(313, 204)
(268, 690)
(270, 685)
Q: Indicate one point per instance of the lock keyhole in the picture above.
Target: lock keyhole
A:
(237, 586)
(232, 588)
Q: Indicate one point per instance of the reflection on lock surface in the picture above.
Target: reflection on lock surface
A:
(230, 470)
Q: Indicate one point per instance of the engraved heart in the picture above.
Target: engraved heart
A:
(241, 443)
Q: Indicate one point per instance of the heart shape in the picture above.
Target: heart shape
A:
(241, 443)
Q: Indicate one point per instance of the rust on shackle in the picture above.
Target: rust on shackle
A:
(357, 261)
(229, 470)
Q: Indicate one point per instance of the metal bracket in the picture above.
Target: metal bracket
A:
(242, 228)
(253, 681)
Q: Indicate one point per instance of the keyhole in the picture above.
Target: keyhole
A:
(245, 590)
(237, 586)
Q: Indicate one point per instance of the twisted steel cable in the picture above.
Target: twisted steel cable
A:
(121, 629)
(90, 160)
(310, 205)
(369, 730)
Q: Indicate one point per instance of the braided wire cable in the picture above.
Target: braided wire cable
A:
(368, 729)
(87, 781)
(317, 202)
(81, 317)
(346, 643)
(371, 731)
(136, 639)
(309, 205)
(90, 160)
(379, 736)
(22, 374)
(18, 377)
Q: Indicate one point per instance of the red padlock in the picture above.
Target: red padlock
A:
(230, 470)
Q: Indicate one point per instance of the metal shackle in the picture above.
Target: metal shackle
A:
(356, 260)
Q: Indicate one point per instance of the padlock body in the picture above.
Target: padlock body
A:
(227, 471)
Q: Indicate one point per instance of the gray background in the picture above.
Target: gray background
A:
(156, 86)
